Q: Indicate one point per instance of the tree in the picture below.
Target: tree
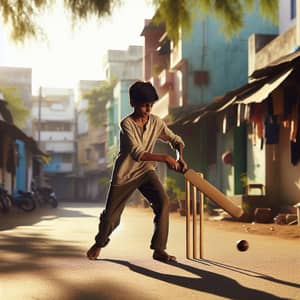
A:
(97, 99)
(178, 14)
(15, 105)
(21, 15)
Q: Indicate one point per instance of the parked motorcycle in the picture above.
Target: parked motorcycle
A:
(23, 200)
(44, 195)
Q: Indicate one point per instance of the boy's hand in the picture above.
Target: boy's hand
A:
(172, 163)
(183, 165)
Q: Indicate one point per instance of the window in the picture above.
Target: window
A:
(100, 150)
(293, 9)
(87, 154)
(67, 158)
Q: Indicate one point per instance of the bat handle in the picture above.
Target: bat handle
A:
(181, 166)
(177, 154)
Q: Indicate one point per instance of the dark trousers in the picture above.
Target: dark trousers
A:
(150, 186)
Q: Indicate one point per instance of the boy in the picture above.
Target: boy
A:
(135, 169)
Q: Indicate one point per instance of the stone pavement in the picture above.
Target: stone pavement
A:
(43, 257)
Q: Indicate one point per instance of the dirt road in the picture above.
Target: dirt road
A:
(43, 257)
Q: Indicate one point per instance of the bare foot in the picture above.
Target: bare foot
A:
(93, 252)
(163, 256)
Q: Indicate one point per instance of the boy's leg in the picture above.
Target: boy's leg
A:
(153, 190)
(111, 215)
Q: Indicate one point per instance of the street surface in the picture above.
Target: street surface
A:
(43, 257)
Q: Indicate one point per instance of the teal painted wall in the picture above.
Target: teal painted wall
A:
(126, 108)
(206, 48)
(21, 167)
(226, 61)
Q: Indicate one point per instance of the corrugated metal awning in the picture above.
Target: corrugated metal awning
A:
(263, 92)
(17, 134)
(265, 81)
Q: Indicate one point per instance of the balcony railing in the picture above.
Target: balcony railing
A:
(59, 147)
(59, 168)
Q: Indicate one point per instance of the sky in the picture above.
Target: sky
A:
(70, 55)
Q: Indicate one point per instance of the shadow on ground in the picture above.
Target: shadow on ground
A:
(28, 252)
(248, 272)
(104, 290)
(17, 217)
(208, 282)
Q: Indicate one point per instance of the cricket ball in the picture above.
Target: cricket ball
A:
(242, 245)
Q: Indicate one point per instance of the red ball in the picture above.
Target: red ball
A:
(242, 245)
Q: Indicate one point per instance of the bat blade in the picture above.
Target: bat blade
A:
(213, 193)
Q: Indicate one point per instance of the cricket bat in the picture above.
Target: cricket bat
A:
(213, 193)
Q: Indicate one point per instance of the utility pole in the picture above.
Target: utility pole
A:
(39, 116)
(40, 172)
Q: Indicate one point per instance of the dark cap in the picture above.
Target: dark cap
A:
(142, 92)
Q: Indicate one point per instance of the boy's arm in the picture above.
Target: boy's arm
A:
(138, 153)
(177, 143)
(171, 162)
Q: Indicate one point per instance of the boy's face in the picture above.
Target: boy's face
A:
(144, 109)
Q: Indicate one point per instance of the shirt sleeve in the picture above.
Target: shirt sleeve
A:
(167, 135)
(130, 142)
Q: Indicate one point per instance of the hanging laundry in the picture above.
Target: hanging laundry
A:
(290, 99)
(242, 113)
(295, 149)
(271, 130)
(278, 101)
(257, 116)
(294, 120)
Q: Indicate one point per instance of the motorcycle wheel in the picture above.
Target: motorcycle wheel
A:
(53, 201)
(5, 203)
(27, 204)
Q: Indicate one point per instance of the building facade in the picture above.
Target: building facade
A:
(274, 165)
(201, 66)
(53, 113)
(91, 148)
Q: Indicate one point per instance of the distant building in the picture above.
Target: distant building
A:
(124, 64)
(91, 147)
(53, 122)
(18, 153)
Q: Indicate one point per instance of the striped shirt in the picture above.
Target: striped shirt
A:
(134, 142)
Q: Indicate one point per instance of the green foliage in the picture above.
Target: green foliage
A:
(20, 17)
(103, 180)
(82, 9)
(15, 105)
(244, 179)
(97, 99)
(178, 15)
(175, 14)
(172, 189)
